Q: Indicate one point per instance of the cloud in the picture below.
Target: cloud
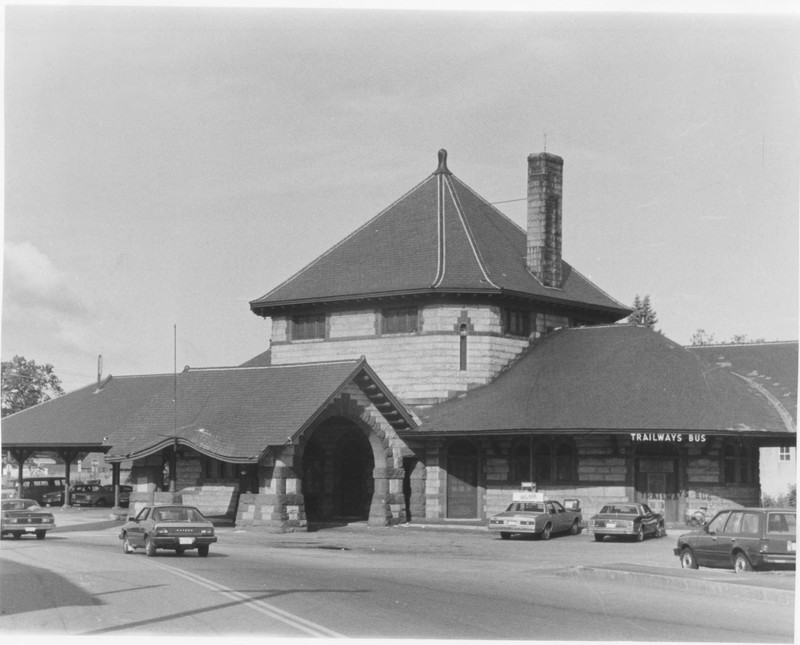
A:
(32, 283)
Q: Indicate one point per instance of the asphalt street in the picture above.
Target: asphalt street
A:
(403, 581)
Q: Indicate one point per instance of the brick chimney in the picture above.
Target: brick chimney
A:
(544, 217)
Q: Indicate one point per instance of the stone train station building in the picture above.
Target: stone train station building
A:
(421, 370)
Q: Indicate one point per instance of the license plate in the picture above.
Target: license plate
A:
(185, 540)
(512, 523)
(611, 525)
(791, 546)
(29, 529)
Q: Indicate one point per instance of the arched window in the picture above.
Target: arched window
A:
(520, 463)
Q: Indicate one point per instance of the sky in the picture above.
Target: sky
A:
(164, 166)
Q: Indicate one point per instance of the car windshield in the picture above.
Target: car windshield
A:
(618, 509)
(526, 507)
(177, 515)
(19, 504)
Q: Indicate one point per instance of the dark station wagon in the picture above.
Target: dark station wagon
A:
(743, 539)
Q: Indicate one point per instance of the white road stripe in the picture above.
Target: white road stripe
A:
(311, 628)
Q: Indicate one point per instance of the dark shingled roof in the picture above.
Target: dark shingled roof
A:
(84, 417)
(772, 365)
(231, 413)
(440, 237)
(618, 378)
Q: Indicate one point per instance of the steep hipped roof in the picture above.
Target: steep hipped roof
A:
(773, 366)
(232, 413)
(619, 378)
(83, 418)
(441, 237)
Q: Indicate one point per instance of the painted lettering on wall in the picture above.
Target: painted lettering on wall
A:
(673, 437)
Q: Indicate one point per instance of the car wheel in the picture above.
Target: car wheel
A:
(688, 561)
(40, 535)
(179, 551)
(741, 563)
(100, 502)
(639, 537)
(17, 535)
(545, 535)
(575, 528)
(126, 545)
(202, 550)
(661, 531)
(505, 535)
(598, 537)
(149, 547)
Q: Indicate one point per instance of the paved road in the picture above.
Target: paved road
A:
(387, 583)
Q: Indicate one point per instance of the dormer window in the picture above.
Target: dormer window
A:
(400, 321)
(308, 327)
(516, 322)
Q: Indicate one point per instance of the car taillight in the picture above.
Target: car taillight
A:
(206, 531)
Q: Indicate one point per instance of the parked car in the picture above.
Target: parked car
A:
(56, 498)
(743, 539)
(177, 528)
(36, 487)
(93, 495)
(531, 514)
(25, 517)
(626, 519)
(124, 494)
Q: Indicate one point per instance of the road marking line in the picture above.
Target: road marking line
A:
(311, 628)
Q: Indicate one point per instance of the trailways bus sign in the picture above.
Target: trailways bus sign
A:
(668, 437)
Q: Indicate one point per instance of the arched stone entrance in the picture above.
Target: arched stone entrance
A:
(338, 467)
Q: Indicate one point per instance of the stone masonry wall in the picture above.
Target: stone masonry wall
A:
(420, 368)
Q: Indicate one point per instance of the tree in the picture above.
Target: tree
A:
(643, 313)
(701, 337)
(25, 384)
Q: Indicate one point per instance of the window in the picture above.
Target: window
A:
(520, 466)
(738, 464)
(541, 463)
(308, 326)
(564, 463)
(399, 321)
(516, 322)
(782, 523)
(785, 454)
(750, 523)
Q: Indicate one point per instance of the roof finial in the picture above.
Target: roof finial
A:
(442, 169)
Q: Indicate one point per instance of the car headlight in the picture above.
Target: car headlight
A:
(591, 522)
(161, 531)
(629, 524)
(47, 520)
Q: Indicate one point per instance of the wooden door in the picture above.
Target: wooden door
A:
(462, 481)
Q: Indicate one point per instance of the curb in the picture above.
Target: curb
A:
(739, 590)
(87, 526)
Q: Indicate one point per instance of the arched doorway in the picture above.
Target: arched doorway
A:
(337, 466)
(462, 480)
(356, 484)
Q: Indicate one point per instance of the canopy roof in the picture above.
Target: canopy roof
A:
(439, 238)
(234, 413)
(618, 378)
